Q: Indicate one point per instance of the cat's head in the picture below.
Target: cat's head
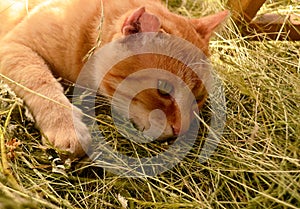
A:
(176, 108)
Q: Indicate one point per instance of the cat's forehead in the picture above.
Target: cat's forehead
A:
(183, 61)
(187, 68)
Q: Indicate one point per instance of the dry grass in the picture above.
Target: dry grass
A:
(256, 164)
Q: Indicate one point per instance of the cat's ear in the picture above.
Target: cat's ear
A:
(206, 26)
(141, 21)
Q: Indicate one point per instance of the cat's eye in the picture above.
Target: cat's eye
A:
(164, 87)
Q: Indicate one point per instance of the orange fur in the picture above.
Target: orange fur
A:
(42, 38)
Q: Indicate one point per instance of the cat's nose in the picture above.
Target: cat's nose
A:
(179, 128)
(176, 130)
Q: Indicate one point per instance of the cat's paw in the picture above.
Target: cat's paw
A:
(69, 133)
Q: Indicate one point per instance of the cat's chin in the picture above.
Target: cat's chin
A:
(168, 140)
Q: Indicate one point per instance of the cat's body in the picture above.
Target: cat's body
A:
(41, 38)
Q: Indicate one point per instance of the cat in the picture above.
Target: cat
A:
(40, 39)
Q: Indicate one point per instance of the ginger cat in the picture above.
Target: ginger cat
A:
(40, 39)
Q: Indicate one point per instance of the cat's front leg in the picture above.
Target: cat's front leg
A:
(54, 114)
